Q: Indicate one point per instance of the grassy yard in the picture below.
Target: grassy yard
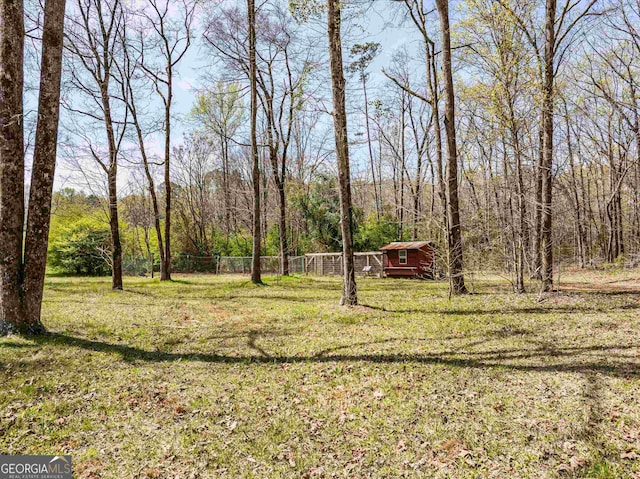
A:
(213, 377)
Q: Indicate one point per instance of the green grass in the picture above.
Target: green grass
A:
(214, 377)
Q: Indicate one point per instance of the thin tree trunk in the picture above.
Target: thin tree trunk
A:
(574, 192)
(131, 105)
(373, 170)
(256, 276)
(165, 268)
(416, 189)
(349, 294)
(225, 188)
(116, 253)
(546, 243)
(112, 175)
(284, 248)
(523, 231)
(454, 236)
(403, 165)
(523, 234)
(154, 198)
(536, 266)
(432, 82)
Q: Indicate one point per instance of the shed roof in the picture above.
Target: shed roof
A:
(405, 245)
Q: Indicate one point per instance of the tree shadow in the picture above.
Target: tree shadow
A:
(276, 297)
(592, 430)
(255, 333)
(598, 292)
(179, 281)
(137, 291)
(17, 345)
(494, 359)
(542, 309)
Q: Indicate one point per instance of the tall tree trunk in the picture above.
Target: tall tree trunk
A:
(129, 93)
(279, 177)
(22, 282)
(432, 82)
(44, 163)
(373, 169)
(546, 243)
(11, 165)
(454, 236)
(523, 231)
(225, 188)
(256, 276)
(165, 267)
(284, 248)
(114, 226)
(152, 194)
(511, 240)
(403, 165)
(112, 189)
(536, 263)
(416, 188)
(574, 192)
(349, 294)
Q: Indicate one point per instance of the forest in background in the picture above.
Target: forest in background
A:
(396, 132)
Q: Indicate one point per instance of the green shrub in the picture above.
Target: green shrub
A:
(81, 248)
(371, 235)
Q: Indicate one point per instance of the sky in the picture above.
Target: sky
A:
(376, 26)
(379, 22)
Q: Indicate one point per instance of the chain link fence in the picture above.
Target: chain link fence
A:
(186, 263)
(268, 264)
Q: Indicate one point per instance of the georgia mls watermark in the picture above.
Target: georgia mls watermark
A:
(35, 467)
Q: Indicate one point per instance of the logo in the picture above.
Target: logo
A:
(35, 467)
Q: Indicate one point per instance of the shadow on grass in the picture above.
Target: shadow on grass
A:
(17, 345)
(494, 359)
(177, 281)
(278, 297)
(593, 430)
(590, 291)
(542, 309)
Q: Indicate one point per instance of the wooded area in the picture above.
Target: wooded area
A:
(507, 134)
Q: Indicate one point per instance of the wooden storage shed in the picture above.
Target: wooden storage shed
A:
(414, 259)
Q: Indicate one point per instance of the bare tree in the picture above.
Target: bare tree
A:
(560, 28)
(504, 94)
(195, 204)
(173, 35)
(92, 40)
(364, 54)
(281, 81)
(130, 83)
(454, 235)
(349, 293)
(220, 111)
(256, 276)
